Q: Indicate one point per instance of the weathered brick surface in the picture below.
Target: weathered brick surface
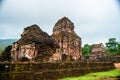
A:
(49, 71)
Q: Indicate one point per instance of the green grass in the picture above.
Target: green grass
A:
(96, 76)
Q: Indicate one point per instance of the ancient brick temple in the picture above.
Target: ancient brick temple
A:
(34, 45)
(69, 42)
(98, 52)
(98, 47)
(29, 51)
(37, 45)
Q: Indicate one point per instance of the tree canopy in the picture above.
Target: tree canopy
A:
(112, 47)
(86, 50)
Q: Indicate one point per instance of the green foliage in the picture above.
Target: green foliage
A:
(1, 50)
(86, 50)
(112, 44)
(118, 50)
(113, 47)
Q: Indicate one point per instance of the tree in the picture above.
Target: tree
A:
(1, 50)
(86, 50)
(118, 50)
(6, 54)
(112, 47)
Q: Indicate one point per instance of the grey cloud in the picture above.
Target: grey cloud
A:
(93, 25)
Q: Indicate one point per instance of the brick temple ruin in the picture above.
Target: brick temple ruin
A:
(68, 40)
(63, 45)
(37, 45)
(98, 52)
(27, 51)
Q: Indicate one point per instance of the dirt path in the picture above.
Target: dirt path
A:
(117, 65)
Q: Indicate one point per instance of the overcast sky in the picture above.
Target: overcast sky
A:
(95, 20)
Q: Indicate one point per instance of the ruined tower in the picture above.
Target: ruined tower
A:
(34, 44)
(69, 42)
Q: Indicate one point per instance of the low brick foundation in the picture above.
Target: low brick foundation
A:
(50, 71)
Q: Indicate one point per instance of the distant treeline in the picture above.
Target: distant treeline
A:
(6, 42)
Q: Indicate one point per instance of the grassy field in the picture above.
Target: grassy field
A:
(96, 76)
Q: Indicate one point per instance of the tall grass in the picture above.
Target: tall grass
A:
(96, 76)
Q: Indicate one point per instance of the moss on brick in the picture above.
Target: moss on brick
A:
(49, 71)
